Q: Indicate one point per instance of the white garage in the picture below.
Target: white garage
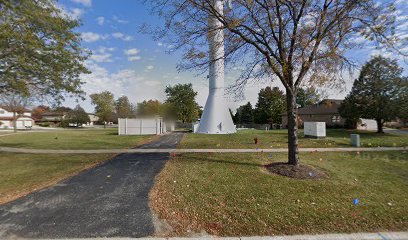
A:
(22, 122)
(141, 126)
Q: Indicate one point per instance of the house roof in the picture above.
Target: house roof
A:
(11, 118)
(6, 118)
(53, 114)
(324, 107)
(8, 109)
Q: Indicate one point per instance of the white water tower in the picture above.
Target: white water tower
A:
(216, 118)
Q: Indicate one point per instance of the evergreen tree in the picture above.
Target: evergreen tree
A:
(245, 114)
(270, 106)
(376, 92)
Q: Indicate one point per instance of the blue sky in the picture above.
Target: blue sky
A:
(129, 63)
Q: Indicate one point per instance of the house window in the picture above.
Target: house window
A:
(336, 119)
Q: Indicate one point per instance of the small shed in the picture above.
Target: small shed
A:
(141, 126)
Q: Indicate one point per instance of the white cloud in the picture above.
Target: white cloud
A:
(134, 58)
(403, 26)
(102, 57)
(118, 20)
(152, 83)
(149, 68)
(132, 51)
(359, 40)
(122, 36)
(76, 13)
(103, 54)
(86, 3)
(92, 37)
(105, 49)
(101, 80)
(100, 20)
(123, 82)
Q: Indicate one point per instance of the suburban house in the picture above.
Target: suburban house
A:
(57, 117)
(24, 119)
(94, 119)
(324, 111)
(52, 117)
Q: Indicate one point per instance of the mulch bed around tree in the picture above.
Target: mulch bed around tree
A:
(299, 171)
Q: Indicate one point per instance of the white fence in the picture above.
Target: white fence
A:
(141, 126)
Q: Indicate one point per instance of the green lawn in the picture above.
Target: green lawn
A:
(232, 195)
(73, 139)
(21, 174)
(278, 139)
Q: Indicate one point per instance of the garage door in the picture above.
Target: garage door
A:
(28, 123)
(20, 124)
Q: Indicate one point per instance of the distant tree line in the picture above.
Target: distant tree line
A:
(180, 104)
(271, 105)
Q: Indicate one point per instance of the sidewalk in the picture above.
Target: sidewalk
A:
(169, 150)
(352, 236)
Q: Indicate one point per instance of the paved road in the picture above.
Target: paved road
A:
(110, 200)
(396, 131)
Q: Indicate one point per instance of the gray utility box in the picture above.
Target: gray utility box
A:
(314, 129)
(355, 140)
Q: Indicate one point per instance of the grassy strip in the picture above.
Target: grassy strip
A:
(73, 139)
(279, 138)
(231, 194)
(21, 174)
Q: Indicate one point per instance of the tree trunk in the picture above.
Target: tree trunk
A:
(379, 126)
(15, 121)
(292, 129)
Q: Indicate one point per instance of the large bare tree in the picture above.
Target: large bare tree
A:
(298, 42)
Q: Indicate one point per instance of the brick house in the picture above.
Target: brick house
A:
(324, 111)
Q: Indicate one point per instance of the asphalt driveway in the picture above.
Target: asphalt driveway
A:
(110, 200)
